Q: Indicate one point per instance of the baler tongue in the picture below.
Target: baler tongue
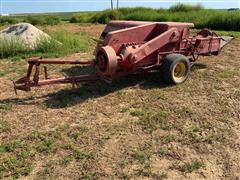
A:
(225, 40)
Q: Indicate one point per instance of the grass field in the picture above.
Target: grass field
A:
(228, 20)
(61, 43)
(69, 42)
(202, 18)
(135, 128)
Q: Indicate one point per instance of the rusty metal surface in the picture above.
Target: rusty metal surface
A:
(127, 47)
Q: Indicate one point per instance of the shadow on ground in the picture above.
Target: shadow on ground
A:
(69, 97)
(198, 66)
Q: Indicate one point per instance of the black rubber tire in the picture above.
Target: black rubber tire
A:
(168, 66)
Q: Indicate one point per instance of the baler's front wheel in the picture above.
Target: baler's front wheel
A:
(175, 68)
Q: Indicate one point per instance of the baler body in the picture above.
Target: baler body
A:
(138, 44)
(127, 47)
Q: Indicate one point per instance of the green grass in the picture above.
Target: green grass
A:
(78, 133)
(5, 107)
(192, 166)
(235, 34)
(4, 127)
(64, 16)
(16, 167)
(12, 48)
(202, 18)
(32, 19)
(185, 7)
(66, 160)
(227, 74)
(15, 159)
(193, 134)
(141, 156)
(137, 113)
(16, 155)
(47, 171)
(61, 43)
(46, 147)
(150, 120)
(168, 138)
(43, 20)
(8, 20)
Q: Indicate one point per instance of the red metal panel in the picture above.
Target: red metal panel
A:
(207, 45)
(135, 34)
(155, 44)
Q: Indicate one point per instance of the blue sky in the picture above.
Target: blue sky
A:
(38, 6)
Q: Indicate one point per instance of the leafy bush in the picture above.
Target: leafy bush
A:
(230, 21)
(12, 47)
(106, 16)
(185, 7)
(99, 17)
(34, 20)
(136, 9)
(8, 20)
(43, 20)
(81, 18)
(139, 16)
(52, 20)
(48, 45)
(72, 42)
(202, 18)
(61, 43)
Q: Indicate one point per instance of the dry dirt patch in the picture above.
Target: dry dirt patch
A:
(91, 30)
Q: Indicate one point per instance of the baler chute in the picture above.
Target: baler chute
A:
(127, 47)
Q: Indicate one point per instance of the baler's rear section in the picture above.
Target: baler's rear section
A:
(127, 47)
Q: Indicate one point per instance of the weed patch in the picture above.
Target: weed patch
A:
(185, 8)
(47, 171)
(17, 154)
(151, 120)
(47, 147)
(227, 74)
(78, 132)
(15, 161)
(137, 113)
(195, 133)
(15, 167)
(66, 160)
(141, 156)
(190, 167)
(12, 47)
(43, 20)
(6, 107)
(17, 157)
(8, 20)
(61, 43)
(202, 18)
(168, 138)
(4, 127)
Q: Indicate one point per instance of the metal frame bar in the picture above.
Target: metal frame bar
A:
(26, 83)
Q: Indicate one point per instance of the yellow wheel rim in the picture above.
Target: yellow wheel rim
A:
(179, 72)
